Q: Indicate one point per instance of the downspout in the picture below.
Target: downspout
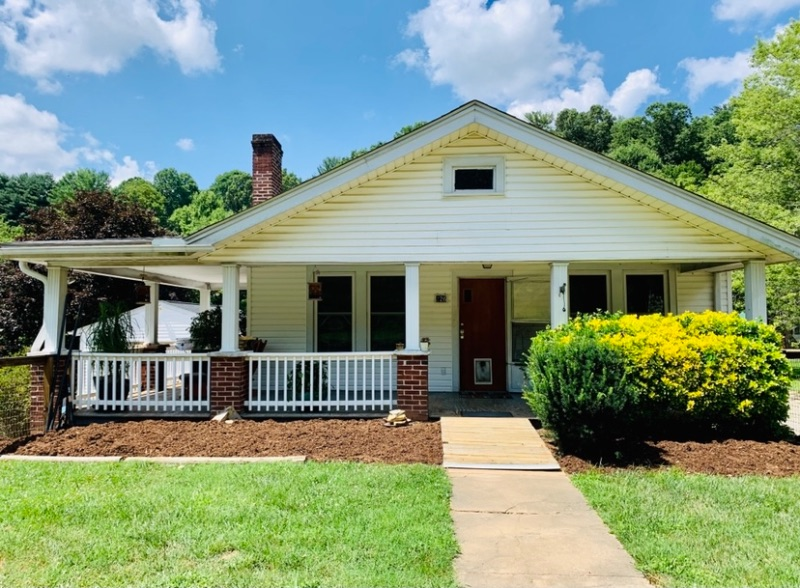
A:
(29, 271)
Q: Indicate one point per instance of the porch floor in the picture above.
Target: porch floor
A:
(449, 404)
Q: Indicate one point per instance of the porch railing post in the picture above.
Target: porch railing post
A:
(412, 384)
(229, 381)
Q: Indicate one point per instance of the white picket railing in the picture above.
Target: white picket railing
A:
(322, 382)
(141, 382)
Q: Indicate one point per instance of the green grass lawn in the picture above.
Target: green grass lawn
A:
(697, 530)
(278, 524)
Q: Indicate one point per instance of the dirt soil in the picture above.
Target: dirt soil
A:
(318, 439)
(729, 457)
(370, 441)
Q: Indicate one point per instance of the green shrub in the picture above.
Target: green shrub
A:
(580, 388)
(14, 401)
(712, 372)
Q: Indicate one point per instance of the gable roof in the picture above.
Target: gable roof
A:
(476, 116)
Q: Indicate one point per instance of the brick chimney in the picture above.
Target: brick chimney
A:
(267, 168)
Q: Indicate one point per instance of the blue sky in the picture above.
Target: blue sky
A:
(134, 86)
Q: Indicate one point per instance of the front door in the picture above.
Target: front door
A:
(482, 332)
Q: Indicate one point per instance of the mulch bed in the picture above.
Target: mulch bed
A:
(318, 439)
(370, 441)
(728, 457)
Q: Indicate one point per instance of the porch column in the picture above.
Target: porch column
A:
(559, 292)
(151, 316)
(412, 384)
(205, 299)
(412, 306)
(230, 308)
(755, 290)
(55, 291)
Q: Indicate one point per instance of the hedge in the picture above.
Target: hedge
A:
(601, 377)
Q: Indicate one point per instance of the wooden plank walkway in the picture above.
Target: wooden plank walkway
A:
(494, 443)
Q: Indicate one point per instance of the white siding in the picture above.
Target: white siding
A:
(723, 291)
(545, 214)
(695, 292)
(437, 321)
(277, 305)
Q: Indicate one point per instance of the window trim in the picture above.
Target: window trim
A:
(496, 163)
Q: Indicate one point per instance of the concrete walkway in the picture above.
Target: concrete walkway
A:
(532, 528)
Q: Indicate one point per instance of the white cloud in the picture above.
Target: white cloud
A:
(35, 141)
(715, 71)
(742, 10)
(512, 53)
(584, 4)
(43, 38)
(185, 144)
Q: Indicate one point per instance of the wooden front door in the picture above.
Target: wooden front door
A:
(482, 333)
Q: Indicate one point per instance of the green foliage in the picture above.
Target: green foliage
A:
(205, 208)
(590, 129)
(205, 331)
(713, 373)
(541, 120)
(8, 232)
(112, 331)
(15, 401)
(289, 179)
(580, 388)
(19, 195)
(81, 180)
(142, 192)
(235, 188)
(176, 187)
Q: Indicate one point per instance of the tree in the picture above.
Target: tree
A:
(141, 191)
(590, 129)
(410, 128)
(290, 179)
(81, 180)
(759, 173)
(23, 193)
(206, 208)
(88, 215)
(540, 119)
(235, 188)
(176, 187)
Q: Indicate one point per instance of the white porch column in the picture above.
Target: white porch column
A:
(55, 291)
(559, 285)
(723, 296)
(151, 315)
(412, 306)
(755, 290)
(205, 299)
(230, 308)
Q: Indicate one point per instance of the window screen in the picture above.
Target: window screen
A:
(474, 179)
(335, 314)
(645, 294)
(387, 319)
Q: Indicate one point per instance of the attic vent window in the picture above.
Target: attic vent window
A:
(467, 176)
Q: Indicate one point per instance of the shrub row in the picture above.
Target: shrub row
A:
(601, 377)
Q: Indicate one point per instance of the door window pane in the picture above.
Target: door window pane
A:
(335, 314)
(387, 320)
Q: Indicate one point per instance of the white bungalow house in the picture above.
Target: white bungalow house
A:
(471, 232)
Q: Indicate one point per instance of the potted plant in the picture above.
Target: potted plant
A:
(112, 333)
(425, 343)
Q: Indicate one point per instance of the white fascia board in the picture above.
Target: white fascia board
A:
(353, 172)
(49, 250)
(659, 189)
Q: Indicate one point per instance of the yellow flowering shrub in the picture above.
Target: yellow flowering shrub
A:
(712, 370)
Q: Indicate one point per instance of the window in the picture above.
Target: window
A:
(644, 294)
(587, 294)
(474, 175)
(335, 314)
(387, 318)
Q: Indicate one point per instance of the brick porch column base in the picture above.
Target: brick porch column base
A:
(229, 382)
(38, 407)
(412, 385)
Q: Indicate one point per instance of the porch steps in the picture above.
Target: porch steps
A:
(494, 444)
